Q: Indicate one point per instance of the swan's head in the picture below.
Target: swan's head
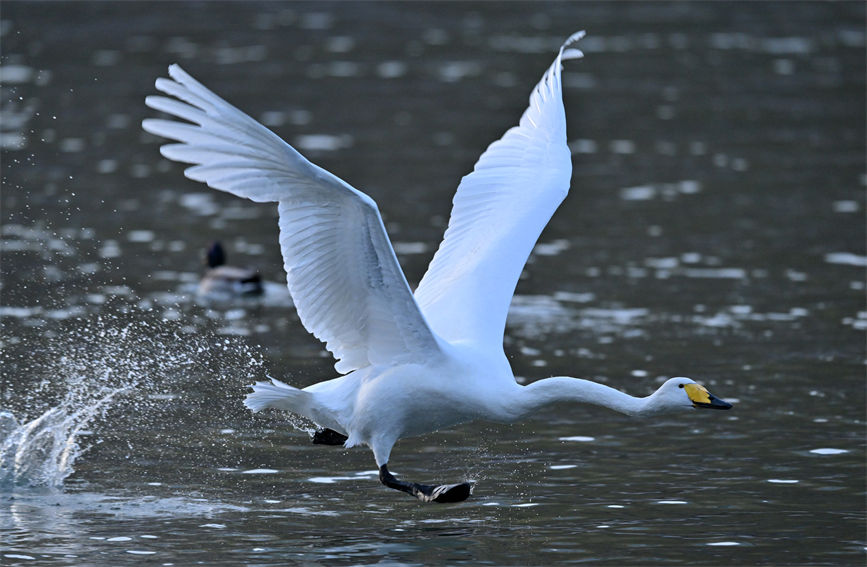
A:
(683, 393)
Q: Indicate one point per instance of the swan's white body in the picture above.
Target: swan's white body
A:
(413, 363)
(378, 405)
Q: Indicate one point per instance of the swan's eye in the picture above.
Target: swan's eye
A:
(680, 385)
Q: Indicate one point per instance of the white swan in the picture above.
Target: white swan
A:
(411, 363)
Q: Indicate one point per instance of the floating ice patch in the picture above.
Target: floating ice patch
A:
(844, 206)
(410, 247)
(718, 321)
(572, 297)
(583, 146)
(578, 439)
(260, 471)
(784, 66)
(689, 186)
(858, 322)
(562, 467)
(666, 190)
(690, 257)
(71, 145)
(672, 502)
(774, 46)
(828, 451)
(15, 74)
(783, 481)
(235, 314)
(304, 511)
(391, 69)
(520, 43)
(329, 479)
(665, 112)
(19, 312)
(640, 193)
(723, 543)
(234, 331)
(846, 259)
(529, 313)
(716, 273)
(13, 140)
(618, 316)
(110, 249)
(667, 263)
(343, 69)
(452, 71)
(551, 248)
(106, 57)
(796, 276)
(323, 142)
(622, 147)
(786, 45)
(199, 203)
(140, 235)
(273, 118)
(240, 54)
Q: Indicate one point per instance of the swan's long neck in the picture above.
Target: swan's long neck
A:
(530, 399)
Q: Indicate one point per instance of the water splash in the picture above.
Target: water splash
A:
(123, 359)
(42, 451)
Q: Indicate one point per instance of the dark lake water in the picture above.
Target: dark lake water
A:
(715, 229)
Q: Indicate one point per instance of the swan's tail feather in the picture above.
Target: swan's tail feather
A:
(278, 395)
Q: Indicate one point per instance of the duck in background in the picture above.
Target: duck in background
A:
(223, 280)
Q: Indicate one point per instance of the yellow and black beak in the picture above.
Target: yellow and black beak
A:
(701, 398)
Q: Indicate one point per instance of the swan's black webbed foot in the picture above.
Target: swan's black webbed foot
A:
(442, 493)
(328, 437)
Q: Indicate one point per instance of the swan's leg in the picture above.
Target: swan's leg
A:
(443, 493)
(328, 437)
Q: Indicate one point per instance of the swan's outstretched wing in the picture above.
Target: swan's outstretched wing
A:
(341, 269)
(498, 212)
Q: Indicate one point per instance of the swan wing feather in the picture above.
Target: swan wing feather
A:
(498, 213)
(341, 269)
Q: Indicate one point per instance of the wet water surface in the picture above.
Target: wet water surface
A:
(714, 229)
